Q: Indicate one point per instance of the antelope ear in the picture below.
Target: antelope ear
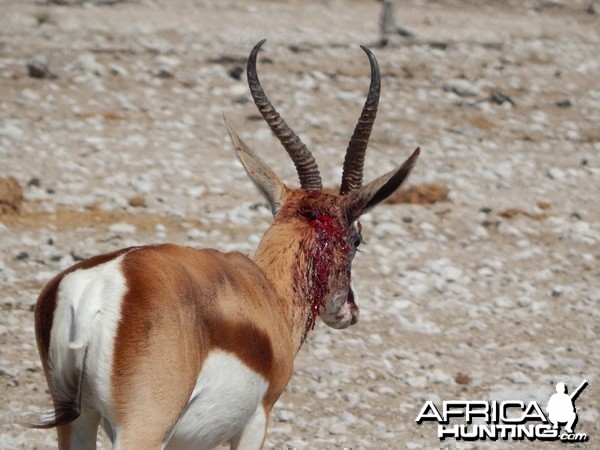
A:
(363, 199)
(267, 182)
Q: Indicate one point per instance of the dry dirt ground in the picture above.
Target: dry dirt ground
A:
(492, 295)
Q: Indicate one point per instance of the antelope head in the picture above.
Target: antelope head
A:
(319, 230)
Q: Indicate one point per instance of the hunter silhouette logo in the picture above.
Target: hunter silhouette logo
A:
(510, 419)
(561, 406)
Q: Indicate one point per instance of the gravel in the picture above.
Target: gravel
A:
(128, 104)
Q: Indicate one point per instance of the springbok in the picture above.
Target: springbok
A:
(176, 347)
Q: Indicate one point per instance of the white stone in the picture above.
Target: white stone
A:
(452, 273)
(338, 428)
(416, 382)
(286, 416)
(518, 378)
(122, 228)
(87, 63)
(11, 131)
(556, 174)
(418, 289)
(348, 418)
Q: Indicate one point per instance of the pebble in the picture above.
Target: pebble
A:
(417, 382)
(167, 61)
(518, 378)
(438, 376)
(374, 339)
(412, 446)
(12, 131)
(122, 228)
(462, 88)
(420, 325)
(137, 201)
(352, 398)
(285, 416)
(418, 289)
(116, 69)
(322, 395)
(39, 67)
(537, 362)
(451, 273)
(504, 302)
(555, 173)
(338, 428)
(348, 419)
(195, 234)
(386, 435)
(386, 390)
(87, 63)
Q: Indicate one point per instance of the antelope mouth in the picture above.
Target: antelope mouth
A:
(353, 307)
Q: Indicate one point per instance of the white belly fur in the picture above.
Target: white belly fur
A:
(226, 396)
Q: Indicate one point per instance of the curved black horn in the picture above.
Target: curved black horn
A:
(352, 175)
(306, 166)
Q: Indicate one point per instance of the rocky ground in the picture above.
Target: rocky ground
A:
(111, 123)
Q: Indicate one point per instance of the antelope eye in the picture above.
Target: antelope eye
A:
(356, 239)
(308, 214)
